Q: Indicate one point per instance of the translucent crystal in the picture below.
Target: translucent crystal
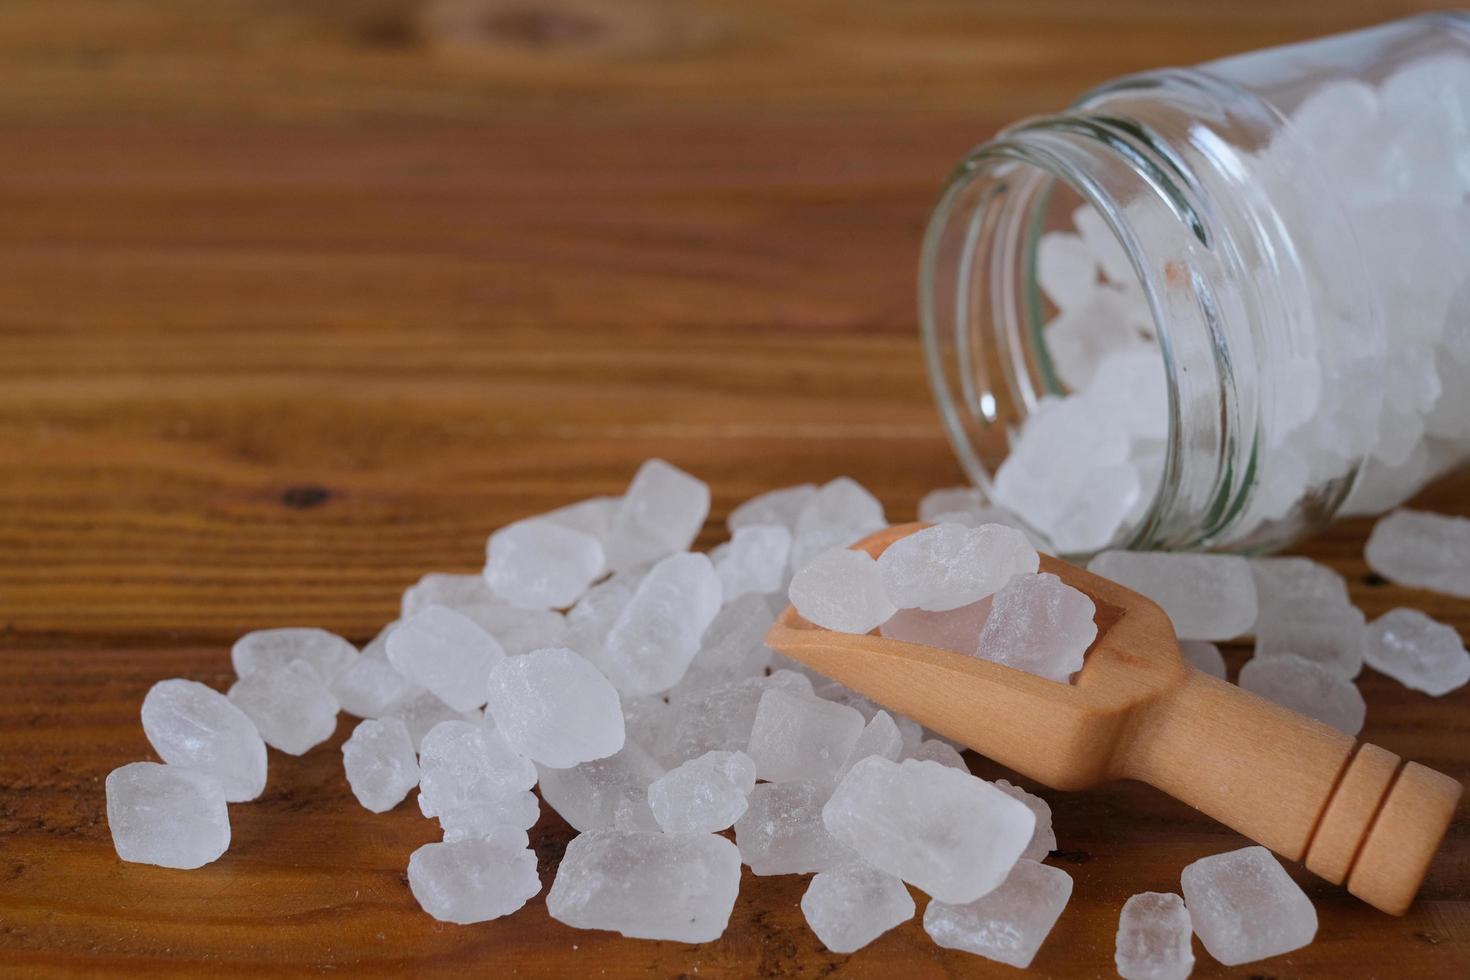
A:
(327, 653)
(447, 653)
(950, 500)
(851, 905)
(195, 727)
(1043, 838)
(756, 561)
(660, 515)
(1244, 906)
(879, 737)
(1009, 923)
(1204, 656)
(474, 880)
(592, 516)
(380, 763)
(1428, 551)
(555, 707)
(721, 717)
(371, 688)
(166, 815)
(1328, 632)
(733, 647)
(588, 796)
(703, 795)
(455, 591)
(1208, 597)
(520, 631)
(658, 632)
(772, 507)
(782, 831)
(933, 750)
(1065, 269)
(1103, 245)
(1041, 625)
(841, 590)
(647, 886)
(1081, 338)
(949, 833)
(289, 705)
(1416, 651)
(1308, 688)
(537, 564)
(1090, 520)
(1131, 388)
(1155, 938)
(1060, 447)
(947, 566)
(837, 515)
(421, 713)
(954, 629)
(798, 737)
(588, 622)
(1283, 582)
(466, 768)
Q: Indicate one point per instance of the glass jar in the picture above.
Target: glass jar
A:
(1212, 308)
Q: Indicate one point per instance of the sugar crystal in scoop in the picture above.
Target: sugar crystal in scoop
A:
(1155, 938)
(841, 590)
(703, 795)
(537, 564)
(290, 706)
(1308, 688)
(474, 880)
(782, 830)
(589, 796)
(380, 763)
(1424, 550)
(799, 737)
(327, 653)
(446, 652)
(647, 886)
(947, 566)
(1208, 597)
(1245, 907)
(196, 727)
(947, 832)
(660, 515)
(1043, 838)
(1041, 625)
(166, 815)
(853, 904)
(954, 629)
(1417, 651)
(555, 707)
(656, 635)
(1009, 923)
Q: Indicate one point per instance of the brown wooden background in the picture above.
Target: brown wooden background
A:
(301, 298)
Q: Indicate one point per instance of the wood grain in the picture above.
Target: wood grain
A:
(299, 300)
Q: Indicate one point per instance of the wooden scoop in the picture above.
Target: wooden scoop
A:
(1351, 811)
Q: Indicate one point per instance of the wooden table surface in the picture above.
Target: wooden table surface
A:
(299, 299)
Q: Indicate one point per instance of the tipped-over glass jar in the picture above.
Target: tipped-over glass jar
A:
(1215, 307)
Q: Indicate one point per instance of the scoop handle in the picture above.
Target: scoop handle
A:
(1351, 811)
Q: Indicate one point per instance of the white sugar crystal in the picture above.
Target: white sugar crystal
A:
(466, 769)
(519, 809)
(658, 632)
(839, 514)
(588, 622)
(1065, 269)
(166, 815)
(1131, 388)
(798, 737)
(660, 515)
(459, 592)
(1307, 688)
(733, 647)
(648, 721)
(1051, 466)
(841, 590)
(721, 717)
(703, 795)
(954, 629)
(592, 516)
(1008, 924)
(782, 830)
(555, 707)
(380, 763)
(291, 708)
(1328, 632)
(444, 651)
(474, 880)
(950, 500)
(1079, 339)
(1428, 551)
(1244, 906)
(949, 833)
(1103, 245)
(371, 688)
(772, 507)
(879, 737)
(634, 816)
(588, 796)
(1208, 597)
(1155, 938)
(1041, 625)
(933, 750)
(1203, 656)
(195, 727)
(756, 561)
(1043, 838)
(327, 653)
(519, 631)
(949, 565)
(537, 564)
(1417, 651)
(1283, 582)
(852, 905)
(1092, 517)
(422, 712)
(647, 886)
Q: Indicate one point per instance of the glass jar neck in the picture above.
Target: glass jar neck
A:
(1167, 160)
